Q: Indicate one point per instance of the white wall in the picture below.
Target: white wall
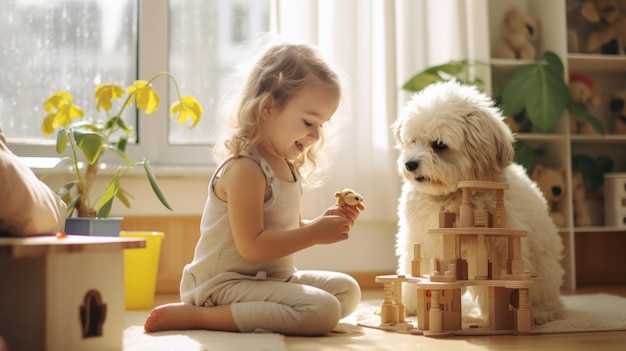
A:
(369, 249)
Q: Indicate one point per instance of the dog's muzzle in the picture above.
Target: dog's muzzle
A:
(411, 165)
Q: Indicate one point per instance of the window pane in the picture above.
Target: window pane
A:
(207, 39)
(70, 45)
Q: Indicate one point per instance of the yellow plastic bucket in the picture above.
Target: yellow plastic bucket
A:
(140, 270)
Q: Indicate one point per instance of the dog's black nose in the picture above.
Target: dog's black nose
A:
(411, 165)
(556, 190)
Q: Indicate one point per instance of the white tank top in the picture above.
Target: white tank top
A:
(216, 260)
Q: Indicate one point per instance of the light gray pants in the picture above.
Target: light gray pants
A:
(309, 303)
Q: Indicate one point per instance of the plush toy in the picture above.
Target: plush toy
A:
(551, 182)
(519, 123)
(348, 196)
(581, 217)
(584, 90)
(518, 33)
(618, 104)
(610, 15)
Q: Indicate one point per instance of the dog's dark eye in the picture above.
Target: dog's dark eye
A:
(439, 145)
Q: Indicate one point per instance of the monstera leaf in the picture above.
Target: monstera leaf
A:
(540, 89)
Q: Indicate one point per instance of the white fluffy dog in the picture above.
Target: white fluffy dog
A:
(449, 133)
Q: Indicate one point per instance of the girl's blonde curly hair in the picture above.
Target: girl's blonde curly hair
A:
(281, 72)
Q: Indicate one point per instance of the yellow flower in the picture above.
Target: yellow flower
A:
(189, 108)
(60, 110)
(105, 93)
(145, 97)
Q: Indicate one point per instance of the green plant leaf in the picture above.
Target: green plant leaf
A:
(513, 98)
(104, 210)
(420, 81)
(544, 104)
(71, 204)
(592, 170)
(526, 155)
(434, 74)
(604, 164)
(580, 110)
(540, 89)
(61, 140)
(554, 63)
(65, 189)
(121, 155)
(155, 185)
(125, 127)
(90, 143)
(121, 144)
(106, 201)
(122, 196)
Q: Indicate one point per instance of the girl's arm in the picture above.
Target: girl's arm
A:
(243, 185)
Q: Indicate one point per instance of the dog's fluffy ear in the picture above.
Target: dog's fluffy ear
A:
(402, 117)
(489, 137)
(396, 127)
(504, 144)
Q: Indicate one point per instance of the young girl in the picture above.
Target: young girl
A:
(242, 276)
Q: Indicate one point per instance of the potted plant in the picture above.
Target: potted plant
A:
(538, 88)
(90, 138)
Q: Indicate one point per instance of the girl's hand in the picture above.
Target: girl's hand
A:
(331, 228)
(349, 212)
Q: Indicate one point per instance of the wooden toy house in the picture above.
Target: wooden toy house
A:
(63, 293)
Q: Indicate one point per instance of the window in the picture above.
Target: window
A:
(75, 44)
(51, 45)
(207, 40)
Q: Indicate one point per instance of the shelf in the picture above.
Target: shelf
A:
(541, 136)
(596, 63)
(592, 230)
(607, 138)
(575, 138)
(509, 63)
(559, 144)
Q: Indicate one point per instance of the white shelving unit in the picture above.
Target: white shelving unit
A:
(484, 17)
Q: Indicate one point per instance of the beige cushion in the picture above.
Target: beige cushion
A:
(27, 205)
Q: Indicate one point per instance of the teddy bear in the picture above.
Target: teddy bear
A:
(347, 196)
(583, 89)
(551, 182)
(581, 216)
(519, 123)
(518, 34)
(610, 15)
(618, 104)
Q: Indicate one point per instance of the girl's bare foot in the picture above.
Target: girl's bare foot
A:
(181, 316)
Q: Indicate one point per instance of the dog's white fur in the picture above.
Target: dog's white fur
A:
(449, 133)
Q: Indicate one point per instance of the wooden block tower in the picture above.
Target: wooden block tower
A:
(439, 293)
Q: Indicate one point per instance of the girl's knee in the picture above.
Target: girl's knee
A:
(351, 297)
(322, 318)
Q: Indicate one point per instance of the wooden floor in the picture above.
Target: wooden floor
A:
(373, 339)
(379, 340)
